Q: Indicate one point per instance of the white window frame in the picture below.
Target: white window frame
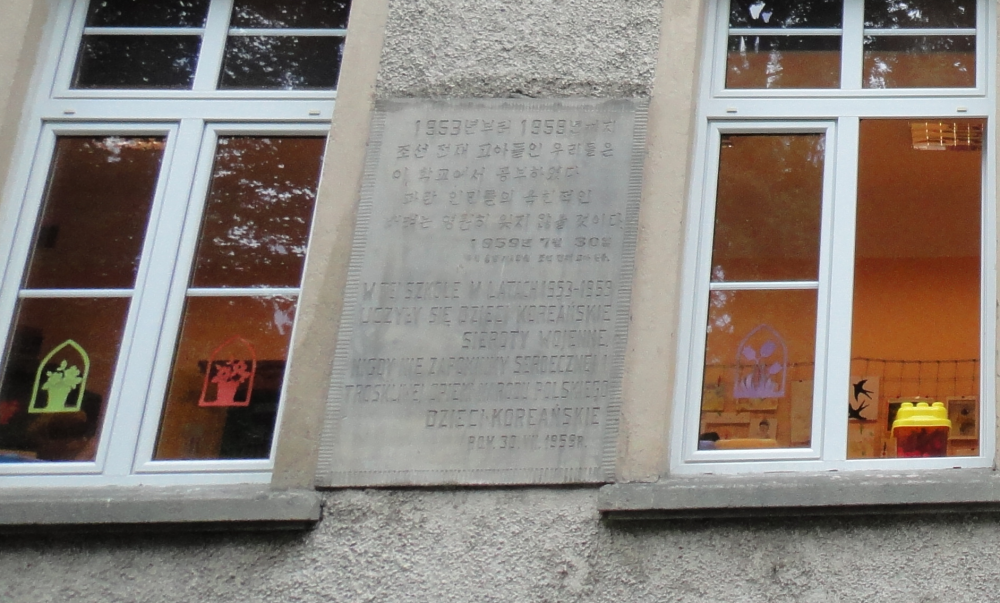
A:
(837, 113)
(213, 44)
(192, 121)
(852, 34)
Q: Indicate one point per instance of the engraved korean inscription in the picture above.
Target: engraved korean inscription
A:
(486, 312)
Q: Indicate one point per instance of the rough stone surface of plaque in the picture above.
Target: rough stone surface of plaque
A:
(486, 311)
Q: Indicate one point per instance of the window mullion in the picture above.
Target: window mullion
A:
(67, 59)
(852, 45)
(986, 46)
(988, 274)
(700, 235)
(151, 296)
(21, 233)
(213, 45)
(840, 291)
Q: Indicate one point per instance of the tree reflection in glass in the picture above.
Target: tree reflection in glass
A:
(788, 58)
(298, 14)
(281, 63)
(785, 13)
(920, 62)
(259, 209)
(899, 14)
(147, 13)
(137, 62)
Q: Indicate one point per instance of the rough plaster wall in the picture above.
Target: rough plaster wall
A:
(536, 48)
(513, 546)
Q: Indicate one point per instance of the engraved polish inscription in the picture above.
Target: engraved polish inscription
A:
(484, 316)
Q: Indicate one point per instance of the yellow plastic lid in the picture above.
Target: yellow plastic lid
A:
(921, 415)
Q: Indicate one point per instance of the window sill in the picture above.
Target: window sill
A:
(832, 493)
(145, 508)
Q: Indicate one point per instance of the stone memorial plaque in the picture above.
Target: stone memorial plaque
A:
(486, 312)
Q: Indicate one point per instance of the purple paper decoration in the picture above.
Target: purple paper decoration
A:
(761, 364)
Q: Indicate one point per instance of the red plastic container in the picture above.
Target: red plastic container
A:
(921, 430)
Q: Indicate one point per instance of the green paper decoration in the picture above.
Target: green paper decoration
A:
(60, 382)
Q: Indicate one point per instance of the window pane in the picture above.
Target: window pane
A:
(785, 13)
(916, 321)
(920, 62)
(301, 14)
(226, 381)
(893, 14)
(136, 62)
(94, 215)
(147, 13)
(281, 63)
(783, 62)
(57, 378)
(258, 213)
(759, 362)
(767, 214)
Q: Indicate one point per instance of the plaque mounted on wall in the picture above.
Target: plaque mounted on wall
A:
(486, 312)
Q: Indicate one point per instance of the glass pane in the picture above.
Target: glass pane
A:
(759, 362)
(301, 14)
(136, 62)
(917, 302)
(57, 378)
(785, 13)
(259, 209)
(767, 213)
(281, 63)
(920, 62)
(228, 369)
(94, 215)
(893, 14)
(783, 62)
(147, 13)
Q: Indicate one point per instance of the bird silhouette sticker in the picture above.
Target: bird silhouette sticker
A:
(864, 399)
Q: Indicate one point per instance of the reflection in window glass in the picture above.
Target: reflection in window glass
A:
(147, 13)
(783, 62)
(786, 13)
(137, 62)
(62, 351)
(226, 381)
(893, 14)
(916, 325)
(57, 378)
(229, 363)
(259, 209)
(759, 361)
(281, 63)
(282, 14)
(920, 62)
(767, 210)
(94, 215)
(760, 348)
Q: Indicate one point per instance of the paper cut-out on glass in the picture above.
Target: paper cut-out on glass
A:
(61, 381)
(233, 378)
(761, 364)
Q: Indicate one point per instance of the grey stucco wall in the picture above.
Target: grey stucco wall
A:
(536, 48)
(518, 545)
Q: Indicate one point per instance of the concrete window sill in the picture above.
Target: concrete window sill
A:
(147, 508)
(832, 493)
